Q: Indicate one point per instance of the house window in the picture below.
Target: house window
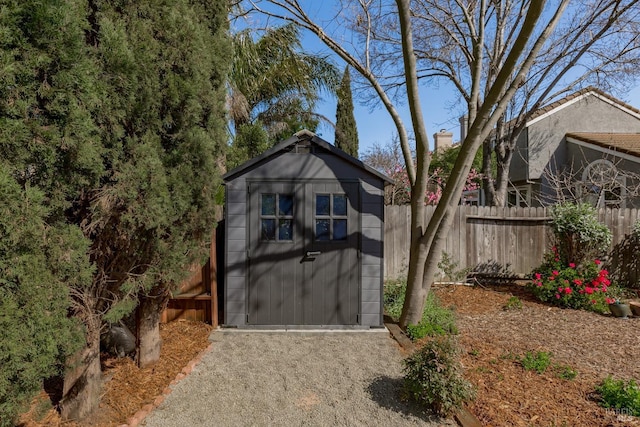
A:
(519, 196)
(331, 217)
(602, 185)
(276, 217)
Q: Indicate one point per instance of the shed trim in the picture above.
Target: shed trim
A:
(304, 135)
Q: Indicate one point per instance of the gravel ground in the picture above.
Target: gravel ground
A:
(294, 379)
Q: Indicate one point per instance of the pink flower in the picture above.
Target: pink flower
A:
(560, 289)
(558, 296)
(588, 290)
(538, 276)
(567, 291)
(577, 282)
(610, 301)
(572, 265)
(555, 273)
(597, 262)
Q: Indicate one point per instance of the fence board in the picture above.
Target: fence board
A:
(515, 236)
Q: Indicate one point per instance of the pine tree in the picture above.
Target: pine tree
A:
(346, 131)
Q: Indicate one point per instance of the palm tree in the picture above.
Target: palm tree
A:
(275, 86)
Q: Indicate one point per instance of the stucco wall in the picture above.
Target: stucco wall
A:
(542, 144)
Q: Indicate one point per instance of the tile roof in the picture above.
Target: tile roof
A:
(628, 143)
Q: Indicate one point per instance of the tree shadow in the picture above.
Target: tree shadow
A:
(624, 263)
(389, 393)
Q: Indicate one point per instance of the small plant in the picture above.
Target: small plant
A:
(565, 372)
(538, 362)
(621, 396)
(436, 320)
(433, 376)
(450, 269)
(475, 352)
(513, 303)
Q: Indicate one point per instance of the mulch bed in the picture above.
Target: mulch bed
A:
(493, 339)
(128, 388)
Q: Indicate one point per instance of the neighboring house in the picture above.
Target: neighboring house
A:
(588, 143)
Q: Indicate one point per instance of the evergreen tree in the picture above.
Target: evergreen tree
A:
(346, 131)
(114, 110)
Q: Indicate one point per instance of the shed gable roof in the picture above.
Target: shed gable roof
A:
(301, 138)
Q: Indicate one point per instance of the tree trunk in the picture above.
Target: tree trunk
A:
(148, 330)
(82, 382)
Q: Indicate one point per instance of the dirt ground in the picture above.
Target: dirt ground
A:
(493, 339)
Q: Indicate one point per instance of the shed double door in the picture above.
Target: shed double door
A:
(304, 265)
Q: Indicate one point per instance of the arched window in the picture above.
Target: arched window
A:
(602, 185)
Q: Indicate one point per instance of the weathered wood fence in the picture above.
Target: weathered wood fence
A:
(517, 237)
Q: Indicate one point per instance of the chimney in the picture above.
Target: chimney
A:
(442, 140)
(464, 126)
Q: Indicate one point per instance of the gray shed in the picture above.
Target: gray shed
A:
(304, 226)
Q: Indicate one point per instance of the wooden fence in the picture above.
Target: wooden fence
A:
(517, 237)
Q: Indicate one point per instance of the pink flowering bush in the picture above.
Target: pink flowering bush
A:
(566, 284)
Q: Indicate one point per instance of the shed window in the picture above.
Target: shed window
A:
(331, 217)
(276, 217)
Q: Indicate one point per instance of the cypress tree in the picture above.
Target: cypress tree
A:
(114, 112)
(346, 137)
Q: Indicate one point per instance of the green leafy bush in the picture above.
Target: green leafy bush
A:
(393, 297)
(538, 361)
(635, 231)
(621, 396)
(578, 233)
(584, 286)
(433, 376)
(436, 320)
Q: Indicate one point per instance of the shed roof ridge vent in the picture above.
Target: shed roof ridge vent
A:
(305, 132)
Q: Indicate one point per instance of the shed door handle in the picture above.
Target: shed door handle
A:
(312, 253)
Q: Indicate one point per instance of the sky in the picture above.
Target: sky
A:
(440, 106)
(376, 127)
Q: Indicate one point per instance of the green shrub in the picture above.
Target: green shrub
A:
(538, 362)
(578, 233)
(394, 291)
(433, 376)
(635, 231)
(436, 320)
(621, 396)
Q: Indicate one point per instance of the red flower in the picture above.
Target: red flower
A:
(597, 262)
(572, 265)
(555, 273)
(567, 291)
(588, 290)
(538, 276)
(577, 282)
